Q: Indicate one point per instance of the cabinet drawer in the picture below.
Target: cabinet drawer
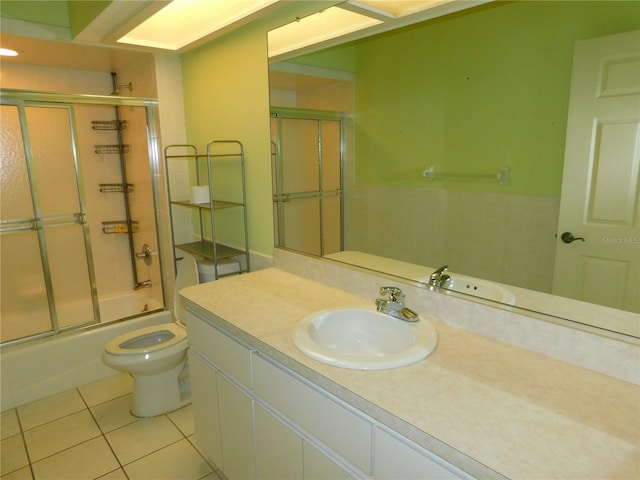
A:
(224, 352)
(397, 457)
(331, 423)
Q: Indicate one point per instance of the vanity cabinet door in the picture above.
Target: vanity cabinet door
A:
(282, 454)
(396, 458)
(236, 431)
(318, 466)
(204, 395)
(326, 419)
(278, 448)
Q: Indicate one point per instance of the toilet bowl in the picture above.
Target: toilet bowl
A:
(156, 356)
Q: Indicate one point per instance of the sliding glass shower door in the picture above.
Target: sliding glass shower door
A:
(44, 249)
(307, 173)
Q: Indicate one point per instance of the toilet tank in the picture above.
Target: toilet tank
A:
(206, 269)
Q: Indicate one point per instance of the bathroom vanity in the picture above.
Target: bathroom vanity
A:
(475, 408)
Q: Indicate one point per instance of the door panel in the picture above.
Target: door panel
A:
(300, 163)
(331, 152)
(600, 190)
(53, 157)
(307, 183)
(302, 225)
(24, 307)
(614, 185)
(46, 282)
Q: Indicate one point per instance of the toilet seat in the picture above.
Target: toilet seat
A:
(156, 356)
(117, 345)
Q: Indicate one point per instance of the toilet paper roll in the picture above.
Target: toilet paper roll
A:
(200, 195)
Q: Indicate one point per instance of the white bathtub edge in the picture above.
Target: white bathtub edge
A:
(43, 368)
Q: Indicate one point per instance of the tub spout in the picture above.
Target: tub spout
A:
(145, 284)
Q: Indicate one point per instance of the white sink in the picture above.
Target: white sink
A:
(361, 338)
(477, 288)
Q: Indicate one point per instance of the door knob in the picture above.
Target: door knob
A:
(567, 237)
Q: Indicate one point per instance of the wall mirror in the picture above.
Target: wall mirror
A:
(452, 152)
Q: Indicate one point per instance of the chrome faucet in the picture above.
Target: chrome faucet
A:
(439, 278)
(393, 305)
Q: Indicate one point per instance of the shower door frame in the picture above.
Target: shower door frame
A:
(25, 98)
(280, 197)
(41, 222)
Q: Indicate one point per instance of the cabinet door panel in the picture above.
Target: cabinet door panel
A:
(204, 394)
(317, 466)
(396, 459)
(236, 431)
(333, 424)
(279, 449)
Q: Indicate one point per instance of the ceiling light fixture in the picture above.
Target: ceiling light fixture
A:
(314, 29)
(183, 22)
(7, 52)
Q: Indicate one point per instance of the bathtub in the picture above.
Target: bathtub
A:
(126, 305)
(46, 366)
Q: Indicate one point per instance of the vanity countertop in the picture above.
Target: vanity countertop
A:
(488, 407)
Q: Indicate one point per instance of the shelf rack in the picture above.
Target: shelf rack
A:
(208, 246)
(116, 188)
(120, 226)
(109, 149)
(109, 125)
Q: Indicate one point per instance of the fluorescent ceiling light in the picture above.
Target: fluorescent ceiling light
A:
(398, 8)
(183, 22)
(325, 25)
(6, 52)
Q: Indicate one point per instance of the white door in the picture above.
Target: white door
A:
(600, 199)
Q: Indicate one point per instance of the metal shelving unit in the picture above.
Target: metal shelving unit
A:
(204, 170)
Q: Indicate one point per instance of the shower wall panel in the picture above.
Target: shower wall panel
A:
(111, 251)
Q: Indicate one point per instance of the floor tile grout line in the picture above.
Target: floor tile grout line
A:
(214, 467)
(103, 434)
(151, 453)
(88, 409)
(65, 449)
(24, 444)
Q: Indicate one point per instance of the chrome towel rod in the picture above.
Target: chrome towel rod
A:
(502, 176)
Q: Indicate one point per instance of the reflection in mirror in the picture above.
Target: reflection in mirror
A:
(454, 151)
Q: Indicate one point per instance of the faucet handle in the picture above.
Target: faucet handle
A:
(394, 293)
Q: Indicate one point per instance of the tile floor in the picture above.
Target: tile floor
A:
(89, 433)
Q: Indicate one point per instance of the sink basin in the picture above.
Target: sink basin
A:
(477, 288)
(362, 338)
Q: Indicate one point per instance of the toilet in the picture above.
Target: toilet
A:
(156, 356)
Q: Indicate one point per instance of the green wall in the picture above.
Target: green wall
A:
(473, 91)
(72, 14)
(46, 12)
(483, 69)
(476, 91)
(83, 12)
(226, 96)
